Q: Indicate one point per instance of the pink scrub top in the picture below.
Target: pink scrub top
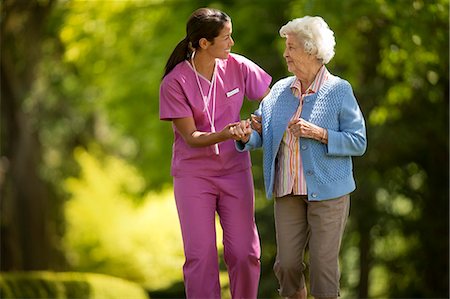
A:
(180, 97)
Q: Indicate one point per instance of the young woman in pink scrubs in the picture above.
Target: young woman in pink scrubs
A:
(202, 91)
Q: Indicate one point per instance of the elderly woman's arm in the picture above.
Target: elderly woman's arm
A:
(350, 140)
(302, 128)
(254, 141)
(253, 137)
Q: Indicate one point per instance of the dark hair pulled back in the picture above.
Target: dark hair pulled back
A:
(203, 23)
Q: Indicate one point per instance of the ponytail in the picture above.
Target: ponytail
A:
(179, 54)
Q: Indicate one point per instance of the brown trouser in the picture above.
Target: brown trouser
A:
(318, 224)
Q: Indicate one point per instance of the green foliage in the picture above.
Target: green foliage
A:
(67, 285)
(108, 231)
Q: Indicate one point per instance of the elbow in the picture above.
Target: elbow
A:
(361, 146)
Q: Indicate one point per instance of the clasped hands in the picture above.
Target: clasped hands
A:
(241, 131)
(298, 127)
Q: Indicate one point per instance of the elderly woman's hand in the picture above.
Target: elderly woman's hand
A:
(302, 128)
(256, 123)
(241, 131)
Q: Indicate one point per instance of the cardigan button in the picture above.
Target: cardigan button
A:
(304, 146)
(309, 172)
(314, 195)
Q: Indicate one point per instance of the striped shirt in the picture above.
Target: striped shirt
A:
(289, 176)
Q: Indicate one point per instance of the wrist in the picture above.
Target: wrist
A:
(324, 136)
(223, 135)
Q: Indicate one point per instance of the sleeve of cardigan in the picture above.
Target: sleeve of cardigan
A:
(350, 139)
(253, 142)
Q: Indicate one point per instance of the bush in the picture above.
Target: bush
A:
(113, 226)
(67, 285)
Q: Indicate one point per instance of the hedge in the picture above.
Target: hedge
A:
(61, 285)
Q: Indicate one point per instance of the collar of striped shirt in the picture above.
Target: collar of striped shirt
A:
(320, 78)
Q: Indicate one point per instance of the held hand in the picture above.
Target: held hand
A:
(241, 131)
(227, 132)
(256, 123)
(302, 128)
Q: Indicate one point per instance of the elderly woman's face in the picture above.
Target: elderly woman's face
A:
(298, 61)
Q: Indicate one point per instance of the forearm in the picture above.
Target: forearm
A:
(321, 135)
(312, 131)
(194, 138)
(346, 143)
(201, 139)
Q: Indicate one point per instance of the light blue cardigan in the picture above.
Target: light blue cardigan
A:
(328, 168)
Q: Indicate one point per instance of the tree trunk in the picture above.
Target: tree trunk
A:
(26, 242)
(364, 264)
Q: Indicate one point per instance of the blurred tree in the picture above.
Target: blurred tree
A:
(28, 214)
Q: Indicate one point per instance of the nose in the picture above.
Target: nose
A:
(285, 53)
(231, 41)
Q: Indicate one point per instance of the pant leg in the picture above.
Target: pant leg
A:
(327, 220)
(292, 231)
(240, 235)
(196, 204)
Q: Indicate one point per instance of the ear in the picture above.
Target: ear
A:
(204, 43)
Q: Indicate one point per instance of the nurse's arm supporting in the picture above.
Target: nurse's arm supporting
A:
(194, 138)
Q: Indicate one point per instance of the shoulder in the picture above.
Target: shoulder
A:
(336, 87)
(282, 84)
(277, 89)
(339, 91)
(179, 75)
(335, 82)
(237, 58)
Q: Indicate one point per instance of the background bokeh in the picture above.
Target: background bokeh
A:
(84, 167)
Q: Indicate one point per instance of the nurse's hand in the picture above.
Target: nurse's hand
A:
(226, 132)
(241, 131)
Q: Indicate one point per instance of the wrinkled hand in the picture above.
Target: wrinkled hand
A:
(256, 123)
(241, 131)
(302, 128)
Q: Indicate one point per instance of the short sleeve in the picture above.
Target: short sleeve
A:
(256, 79)
(172, 100)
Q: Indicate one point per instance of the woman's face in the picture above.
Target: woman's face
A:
(221, 47)
(298, 61)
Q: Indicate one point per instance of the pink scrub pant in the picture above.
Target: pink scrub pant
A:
(232, 197)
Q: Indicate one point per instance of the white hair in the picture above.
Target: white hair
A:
(314, 33)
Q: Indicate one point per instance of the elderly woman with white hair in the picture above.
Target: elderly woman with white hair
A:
(311, 126)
